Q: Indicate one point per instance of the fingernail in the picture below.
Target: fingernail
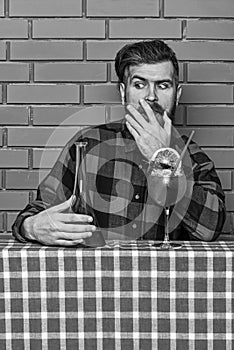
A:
(93, 228)
(90, 219)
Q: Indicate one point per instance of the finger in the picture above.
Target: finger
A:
(137, 116)
(74, 218)
(71, 236)
(71, 229)
(132, 130)
(149, 112)
(63, 206)
(65, 243)
(134, 124)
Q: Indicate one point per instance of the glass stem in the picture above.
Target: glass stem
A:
(166, 237)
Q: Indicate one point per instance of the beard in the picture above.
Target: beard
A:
(158, 112)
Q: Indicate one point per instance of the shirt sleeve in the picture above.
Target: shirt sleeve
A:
(205, 215)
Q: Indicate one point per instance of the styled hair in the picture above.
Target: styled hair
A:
(144, 52)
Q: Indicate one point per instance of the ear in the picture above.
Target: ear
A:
(178, 93)
(122, 92)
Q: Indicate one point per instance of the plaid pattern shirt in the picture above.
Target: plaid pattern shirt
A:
(117, 187)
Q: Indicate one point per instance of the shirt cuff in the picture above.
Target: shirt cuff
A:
(16, 227)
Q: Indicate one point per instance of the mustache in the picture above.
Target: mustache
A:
(156, 108)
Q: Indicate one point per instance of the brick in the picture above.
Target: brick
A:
(45, 50)
(11, 216)
(69, 28)
(179, 115)
(117, 113)
(223, 158)
(1, 223)
(210, 29)
(103, 50)
(14, 72)
(145, 28)
(70, 72)
(226, 179)
(198, 8)
(211, 72)
(213, 115)
(203, 50)
(13, 158)
(193, 93)
(42, 93)
(13, 28)
(69, 115)
(211, 136)
(101, 94)
(0, 95)
(2, 51)
(230, 201)
(45, 8)
(1, 137)
(13, 115)
(18, 179)
(1, 176)
(45, 159)
(40, 137)
(2, 8)
(13, 200)
(115, 79)
(122, 8)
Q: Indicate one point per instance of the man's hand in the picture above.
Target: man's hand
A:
(149, 135)
(55, 226)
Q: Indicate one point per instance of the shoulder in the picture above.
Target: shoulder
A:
(99, 133)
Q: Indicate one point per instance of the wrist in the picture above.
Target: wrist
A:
(27, 228)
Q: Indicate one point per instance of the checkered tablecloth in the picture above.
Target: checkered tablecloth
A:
(111, 298)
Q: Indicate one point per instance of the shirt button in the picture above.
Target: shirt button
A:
(137, 196)
(134, 226)
(140, 166)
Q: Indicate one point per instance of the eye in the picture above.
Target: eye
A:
(164, 86)
(139, 85)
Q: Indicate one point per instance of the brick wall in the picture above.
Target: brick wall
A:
(57, 57)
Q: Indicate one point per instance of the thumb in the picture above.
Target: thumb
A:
(65, 205)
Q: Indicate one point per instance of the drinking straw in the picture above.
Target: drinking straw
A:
(183, 153)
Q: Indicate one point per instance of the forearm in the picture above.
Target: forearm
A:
(205, 215)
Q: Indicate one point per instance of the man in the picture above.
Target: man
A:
(118, 160)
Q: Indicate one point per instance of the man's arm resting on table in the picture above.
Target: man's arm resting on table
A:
(58, 226)
(205, 216)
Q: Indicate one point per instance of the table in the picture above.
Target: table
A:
(141, 299)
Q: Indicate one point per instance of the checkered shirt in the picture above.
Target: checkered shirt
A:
(118, 299)
(116, 179)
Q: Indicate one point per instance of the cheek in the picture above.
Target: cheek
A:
(133, 96)
(166, 100)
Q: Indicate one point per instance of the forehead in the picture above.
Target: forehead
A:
(156, 71)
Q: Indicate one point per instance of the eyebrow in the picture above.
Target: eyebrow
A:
(157, 81)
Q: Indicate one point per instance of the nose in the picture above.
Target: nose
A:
(151, 94)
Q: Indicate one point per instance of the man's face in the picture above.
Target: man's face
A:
(155, 83)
